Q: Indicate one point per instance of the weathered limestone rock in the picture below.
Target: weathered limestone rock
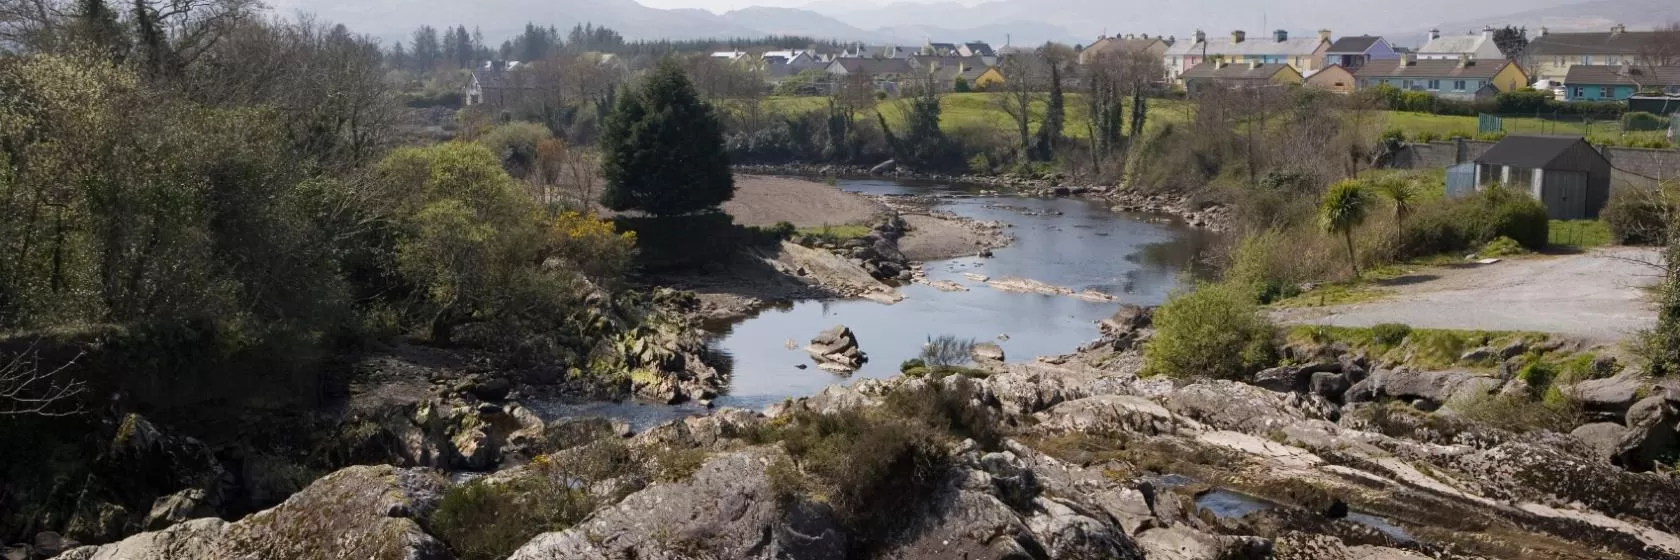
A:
(1329, 385)
(1608, 397)
(356, 513)
(988, 352)
(727, 510)
(1651, 433)
(836, 349)
(1602, 438)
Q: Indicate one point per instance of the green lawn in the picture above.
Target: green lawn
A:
(1447, 126)
(1578, 234)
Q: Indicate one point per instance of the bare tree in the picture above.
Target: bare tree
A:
(31, 25)
(1019, 94)
(27, 389)
(1660, 49)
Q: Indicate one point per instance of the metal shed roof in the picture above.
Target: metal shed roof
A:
(1540, 152)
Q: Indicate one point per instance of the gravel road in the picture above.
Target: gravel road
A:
(1600, 295)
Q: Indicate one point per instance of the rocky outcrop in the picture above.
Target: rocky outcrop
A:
(356, 513)
(1608, 398)
(1653, 433)
(727, 510)
(988, 352)
(146, 478)
(836, 349)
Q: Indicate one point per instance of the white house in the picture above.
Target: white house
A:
(1478, 47)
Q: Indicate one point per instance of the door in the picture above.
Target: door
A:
(1565, 194)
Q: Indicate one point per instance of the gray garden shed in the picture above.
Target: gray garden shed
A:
(1565, 173)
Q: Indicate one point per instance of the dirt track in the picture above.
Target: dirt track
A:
(1600, 295)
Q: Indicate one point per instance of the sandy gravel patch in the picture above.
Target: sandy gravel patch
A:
(763, 201)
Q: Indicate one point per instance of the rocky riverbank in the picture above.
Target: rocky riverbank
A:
(1076, 456)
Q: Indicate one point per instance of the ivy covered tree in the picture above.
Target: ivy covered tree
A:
(663, 150)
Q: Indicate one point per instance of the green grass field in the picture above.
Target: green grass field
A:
(968, 111)
(1446, 126)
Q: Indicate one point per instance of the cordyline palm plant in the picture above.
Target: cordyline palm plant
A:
(1403, 193)
(1343, 209)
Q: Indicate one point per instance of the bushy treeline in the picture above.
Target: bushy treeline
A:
(147, 187)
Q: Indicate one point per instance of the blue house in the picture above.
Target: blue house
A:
(1617, 83)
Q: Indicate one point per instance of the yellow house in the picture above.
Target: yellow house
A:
(1334, 78)
(992, 76)
(1238, 75)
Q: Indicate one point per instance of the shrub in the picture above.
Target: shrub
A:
(1466, 224)
(483, 520)
(1635, 216)
(1390, 334)
(1273, 265)
(1640, 120)
(912, 364)
(1215, 330)
(947, 351)
(1426, 136)
(1394, 135)
(1522, 101)
(1501, 247)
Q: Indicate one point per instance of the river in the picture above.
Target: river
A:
(1065, 242)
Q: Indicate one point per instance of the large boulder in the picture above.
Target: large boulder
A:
(1294, 379)
(1608, 398)
(836, 349)
(1602, 438)
(727, 509)
(356, 513)
(1651, 434)
(1407, 385)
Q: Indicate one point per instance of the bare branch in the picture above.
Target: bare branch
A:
(25, 389)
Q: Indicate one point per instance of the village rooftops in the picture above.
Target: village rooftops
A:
(1353, 45)
(1434, 68)
(1239, 44)
(1620, 75)
(1616, 41)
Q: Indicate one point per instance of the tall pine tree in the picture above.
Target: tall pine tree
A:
(663, 149)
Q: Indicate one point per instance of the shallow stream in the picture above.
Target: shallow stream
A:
(1065, 242)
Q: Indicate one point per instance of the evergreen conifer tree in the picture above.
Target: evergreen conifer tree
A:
(663, 149)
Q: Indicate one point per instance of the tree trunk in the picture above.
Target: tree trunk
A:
(1353, 259)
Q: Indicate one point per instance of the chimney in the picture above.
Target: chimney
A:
(1238, 36)
(1324, 34)
(1200, 36)
(498, 65)
(1254, 65)
(1618, 29)
(1280, 35)
(1217, 64)
(1487, 32)
(1408, 59)
(1543, 31)
(1434, 34)
(1464, 61)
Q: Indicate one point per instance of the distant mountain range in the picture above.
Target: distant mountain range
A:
(1021, 22)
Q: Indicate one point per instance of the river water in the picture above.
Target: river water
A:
(1065, 242)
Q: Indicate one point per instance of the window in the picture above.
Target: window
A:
(1490, 174)
(1580, 91)
(1672, 90)
(1606, 93)
(1434, 85)
(1405, 84)
(1586, 59)
(1458, 85)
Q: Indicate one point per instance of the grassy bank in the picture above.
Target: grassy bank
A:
(970, 111)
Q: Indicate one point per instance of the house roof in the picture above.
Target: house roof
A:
(949, 67)
(1235, 71)
(1530, 151)
(1455, 44)
(1295, 46)
(1353, 45)
(488, 78)
(1626, 42)
(980, 48)
(1399, 68)
(1623, 75)
(874, 65)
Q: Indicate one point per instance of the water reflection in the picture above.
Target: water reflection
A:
(1065, 242)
